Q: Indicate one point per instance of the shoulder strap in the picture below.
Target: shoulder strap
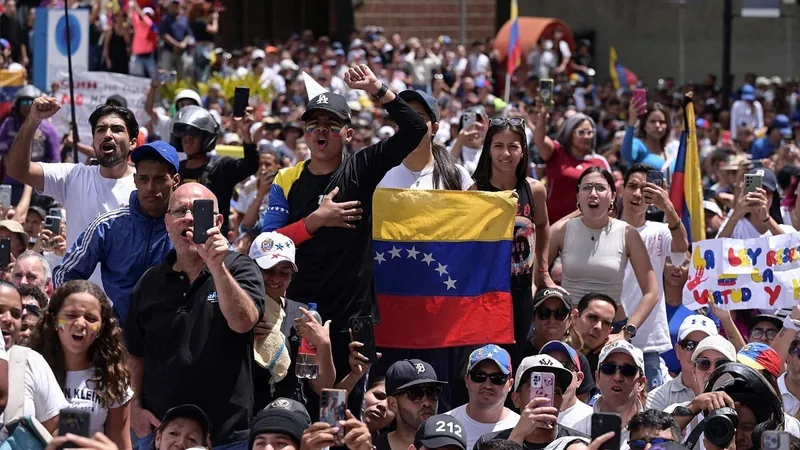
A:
(17, 362)
(208, 170)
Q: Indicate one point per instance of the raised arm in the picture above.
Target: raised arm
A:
(18, 160)
(540, 139)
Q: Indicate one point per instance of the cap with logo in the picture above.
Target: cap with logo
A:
(697, 322)
(492, 353)
(440, 431)
(542, 363)
(626, 348)
(408, 373)
(330, 102)
(268, 249)
(282, 416)
(718, 343)
(544, 294)
(561, 346)
(160, 149)
(189, 411)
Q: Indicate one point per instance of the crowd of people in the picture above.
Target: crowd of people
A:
(173, 337)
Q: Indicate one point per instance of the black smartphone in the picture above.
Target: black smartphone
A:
(602, 423)
(241, 98)
(53, 223)
(656, 177)
(5, 252)
(546, 91)
(74, 421)
(361, 330)
(203, 212)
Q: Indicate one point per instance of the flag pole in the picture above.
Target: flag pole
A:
(508, 87)
(74, 125)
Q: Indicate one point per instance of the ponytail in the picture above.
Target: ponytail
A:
(444, 169)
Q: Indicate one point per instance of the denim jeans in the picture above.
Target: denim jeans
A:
(143, 65)
(148, 443)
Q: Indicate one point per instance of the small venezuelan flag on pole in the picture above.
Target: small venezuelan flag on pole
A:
(514, 48)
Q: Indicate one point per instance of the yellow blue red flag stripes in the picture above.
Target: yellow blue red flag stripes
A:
(514, 43)
(10, 83)
(686, 192)
(443, 267)
(620, 75)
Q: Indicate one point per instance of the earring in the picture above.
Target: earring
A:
(578, 205)
(611, 206)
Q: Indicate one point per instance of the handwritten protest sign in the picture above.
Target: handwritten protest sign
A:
(93, 89)
(759, 273)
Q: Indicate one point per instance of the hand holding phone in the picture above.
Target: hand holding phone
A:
(639, 101)
(203, 213)
(656, 177)
(241, 98)
(73, 421)
(602, 423)
(361, 330)
(53, 223)
(546, 92)
(332, 409)
(543, 386)
(468, 120)
(752, 181)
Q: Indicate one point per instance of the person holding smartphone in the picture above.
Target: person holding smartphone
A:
(756, 213)
(648, 144)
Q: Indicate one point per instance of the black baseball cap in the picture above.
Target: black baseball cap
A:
(777, 321)
(544, 294)
(430, 103)
(439, 431)
(408, 373)
(330, 102)
(188, 411)
(282, 416)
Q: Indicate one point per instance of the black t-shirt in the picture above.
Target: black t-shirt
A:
(560, 432)
(382, 442)
(335, 266)
(12, 30)
(227, 173)
(189, 353)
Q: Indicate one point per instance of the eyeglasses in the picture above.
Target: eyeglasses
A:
(688, 345)
(180, 213)
(513, 121)
(545, 313)
(584, 133)
(703, 364)
(627, 370)
(758, 333)
(640, 444)
(497, 378)
(417, 393)
(601, 188)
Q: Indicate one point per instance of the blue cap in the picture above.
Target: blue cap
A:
(748, 92)
(490, 352)
(781, 123)
(561, 346)
(430, 103)
(164, 151)
(339, 52)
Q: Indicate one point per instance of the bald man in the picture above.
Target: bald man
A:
(189, 328)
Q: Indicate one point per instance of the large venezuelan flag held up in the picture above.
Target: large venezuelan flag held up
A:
(620, 75)
(686, 192)
(10, 83)
(514, 43)
(442, 267)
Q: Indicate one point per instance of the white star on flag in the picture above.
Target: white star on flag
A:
(442, 269)
(395, 252)
(451, 283)
(413, 253)
(379, 257)
(428, 258)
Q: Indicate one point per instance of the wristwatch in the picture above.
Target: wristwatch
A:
(381, 92)
(630, 329)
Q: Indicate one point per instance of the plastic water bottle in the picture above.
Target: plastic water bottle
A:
(307, 366)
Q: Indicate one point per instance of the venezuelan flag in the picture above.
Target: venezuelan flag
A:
(620, 75)
(443, 267)
(514, 43)
(686, 192)
(10, 83)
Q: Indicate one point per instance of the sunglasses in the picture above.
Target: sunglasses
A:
(688, 345)
(627, 370)
(416, 393)
(545, 313)
(497, 378)
(32, 309)
(26, 102)
(640, 444)
(703, 364)
(758, 333)
(500, 121)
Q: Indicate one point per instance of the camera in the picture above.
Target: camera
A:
(721, 426)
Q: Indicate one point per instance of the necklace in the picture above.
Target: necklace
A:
(422, 173)
(594, 234)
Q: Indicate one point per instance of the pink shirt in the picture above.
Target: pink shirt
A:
(144, 38)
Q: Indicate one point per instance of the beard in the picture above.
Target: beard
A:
(112, 160)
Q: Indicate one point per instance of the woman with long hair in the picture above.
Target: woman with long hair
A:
(649, 145)
(758, 213)
(596, 249)
(566, 157)
(503, 166)
(82, 342)
(429, 166)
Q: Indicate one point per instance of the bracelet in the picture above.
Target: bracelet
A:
(768, 219)
(791, 324)
(543, 270)
(677, 225)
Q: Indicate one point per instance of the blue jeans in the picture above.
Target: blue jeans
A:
(148, 443)
(143, 65)
(652, 370)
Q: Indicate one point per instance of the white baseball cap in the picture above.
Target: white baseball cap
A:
(717, 343)
(697, 322)
(271, 248)
(626, 347)
(542, 363)
(563, 442)
(189, 94)
(711, 205)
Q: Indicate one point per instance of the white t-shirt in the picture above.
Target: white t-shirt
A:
(248, 195)
(571, 416)
(477, 429)
(653, 335)
(43, 396)
(81, 395)
(745, 230)
(469, 158)
(479, 64)
(401, 177)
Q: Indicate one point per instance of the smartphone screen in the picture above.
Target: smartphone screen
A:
(203, 212)
(168, 77)
(241, 98)
(74, 421)
(5, 195)
(656, 177)
(602, 423)
(546, 91)
(361, 331)
(332, 407)
(53, 223)
(543, 385)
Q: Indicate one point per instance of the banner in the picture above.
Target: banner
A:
(762, 273)
(50, 54)
(93, 89)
